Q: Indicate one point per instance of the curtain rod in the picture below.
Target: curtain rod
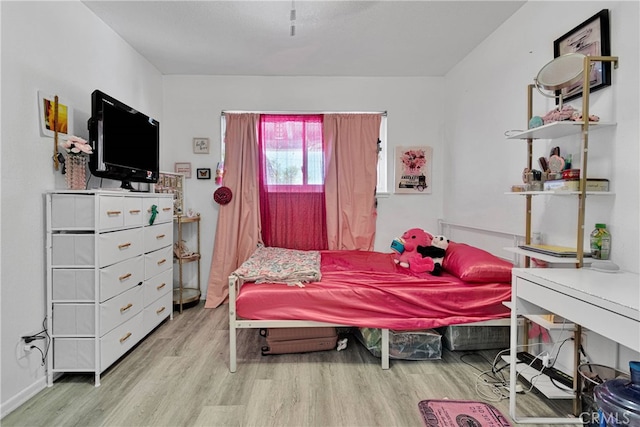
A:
(383, 113)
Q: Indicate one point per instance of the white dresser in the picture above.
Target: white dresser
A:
(109, 275)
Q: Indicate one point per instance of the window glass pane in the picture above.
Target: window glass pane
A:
(293, 149)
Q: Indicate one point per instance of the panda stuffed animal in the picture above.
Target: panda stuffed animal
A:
(436, 251)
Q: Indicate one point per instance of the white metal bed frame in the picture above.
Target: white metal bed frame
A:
(235, 323)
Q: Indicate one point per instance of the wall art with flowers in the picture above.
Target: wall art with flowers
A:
(413, 170)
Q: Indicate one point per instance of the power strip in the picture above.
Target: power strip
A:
(538, 365)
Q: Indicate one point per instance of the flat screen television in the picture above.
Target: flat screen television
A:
(126, 142)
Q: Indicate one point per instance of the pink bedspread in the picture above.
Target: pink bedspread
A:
(367, 289)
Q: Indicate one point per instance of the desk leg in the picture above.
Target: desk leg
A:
(577, 383)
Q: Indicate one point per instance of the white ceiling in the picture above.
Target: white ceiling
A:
(332, 38)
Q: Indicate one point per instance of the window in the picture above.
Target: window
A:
(293, 149)
(382, 157)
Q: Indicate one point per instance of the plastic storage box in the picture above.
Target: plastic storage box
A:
(461, 337)
(407, 345)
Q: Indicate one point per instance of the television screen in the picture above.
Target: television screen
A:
(125, 142)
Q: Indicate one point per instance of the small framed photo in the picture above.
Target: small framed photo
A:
(590, 38)
(203, 173)
(183, 168)
(201, 145)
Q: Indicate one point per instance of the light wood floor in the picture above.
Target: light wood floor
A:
(179, 376)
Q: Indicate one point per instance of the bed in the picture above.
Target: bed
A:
(283, 288)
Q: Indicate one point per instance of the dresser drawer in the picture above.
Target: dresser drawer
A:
(120, 277)
(157, 286)
(133, 214)
(110, 212)
(119, 211)
(73, 250)
(158, 261)
(74, 319)
(156, 312)
(72, 211)
(119, 245)
(119, 309)
(74, 354)
(120, 340)
(164, 206)
(158, 236)
(73, 285)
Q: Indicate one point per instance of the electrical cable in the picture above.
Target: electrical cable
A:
(496, 384)
(37, 336)
(41, 353)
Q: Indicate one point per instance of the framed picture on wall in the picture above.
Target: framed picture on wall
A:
(201, 145)
(47, 110)
(203, 173)
(590, 38)
(413, 170)
(184, 168)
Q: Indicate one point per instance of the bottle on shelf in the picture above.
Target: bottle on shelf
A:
(600, 242)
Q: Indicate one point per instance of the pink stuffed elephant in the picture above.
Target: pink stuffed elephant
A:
(407, 254)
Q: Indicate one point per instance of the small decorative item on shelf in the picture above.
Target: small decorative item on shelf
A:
(76, 163)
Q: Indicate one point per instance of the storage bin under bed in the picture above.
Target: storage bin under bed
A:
(407, 345)
(464, 337)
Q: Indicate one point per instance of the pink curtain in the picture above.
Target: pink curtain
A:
(350, 179)
(292, 200)
(238, 227)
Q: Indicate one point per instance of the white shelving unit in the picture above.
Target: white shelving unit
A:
(546, 258)
(553, 131)
(557, 130)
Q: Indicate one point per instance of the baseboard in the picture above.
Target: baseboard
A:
(14, 402)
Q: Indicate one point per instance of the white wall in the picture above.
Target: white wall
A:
(487, 95)
(62, 48)
(192, 107)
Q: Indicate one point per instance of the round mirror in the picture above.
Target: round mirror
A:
(563, 71)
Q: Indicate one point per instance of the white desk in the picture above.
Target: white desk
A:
(605, 303)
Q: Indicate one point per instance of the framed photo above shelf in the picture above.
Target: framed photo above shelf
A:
(590, 38)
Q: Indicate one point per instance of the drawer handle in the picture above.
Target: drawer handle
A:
(125, 308)
(161, 286)
(134, 211)
(124, 277)
(110, 213)
(162, 261)
(166, 209)
(160, 310)
(124, 338)
(160, 236)
(124, 245)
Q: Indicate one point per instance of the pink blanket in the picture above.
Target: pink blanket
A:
(367, 289)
